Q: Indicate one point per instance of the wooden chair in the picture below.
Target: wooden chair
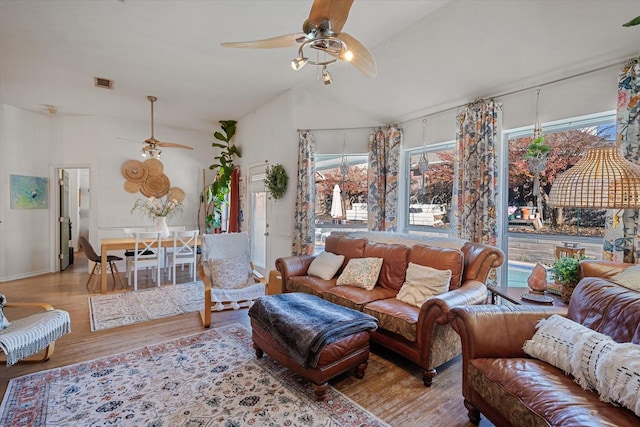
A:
(97, 260)
(229, 289)
(29, 335)
(183, 252)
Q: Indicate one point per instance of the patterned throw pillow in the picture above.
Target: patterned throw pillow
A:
(590, 349)
(3, 320)
(423, 282)
(230, 273)
(619, 376)
(361, 272)
(325, 265)
(629, 278)
(554, 341)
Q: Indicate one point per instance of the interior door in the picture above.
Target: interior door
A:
(64, 220)
(259, 223)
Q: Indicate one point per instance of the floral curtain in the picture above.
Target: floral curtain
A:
(475, 183)
(621, 238)
(304, 215)
(382, 177)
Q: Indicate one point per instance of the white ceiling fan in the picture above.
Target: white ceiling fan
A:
(152, 147)
(322, 32)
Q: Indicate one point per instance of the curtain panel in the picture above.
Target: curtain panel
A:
(621, 239)
(303, 240)
(382, 178)
(475, 183)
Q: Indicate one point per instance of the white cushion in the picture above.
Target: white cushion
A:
(361, 272)
(423, 282)
(619, 376)
(629, 278)
(230, 273)
(3, 319)
(554, 341)
(589, 351)
(325, 265)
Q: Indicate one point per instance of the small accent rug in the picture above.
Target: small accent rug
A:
(126, 308)
(208, 379)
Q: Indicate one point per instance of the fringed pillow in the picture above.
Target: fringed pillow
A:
(589, 352)
(619, 376)
(554, 341)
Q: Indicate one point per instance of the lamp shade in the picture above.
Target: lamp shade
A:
(602, 179)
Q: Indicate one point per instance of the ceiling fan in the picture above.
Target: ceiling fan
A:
(151, 149)
(322, 31)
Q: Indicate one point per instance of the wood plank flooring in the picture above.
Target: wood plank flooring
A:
(392, 387)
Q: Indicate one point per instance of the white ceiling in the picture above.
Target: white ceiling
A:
(431, 55)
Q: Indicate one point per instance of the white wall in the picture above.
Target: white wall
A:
(39, 145)
(24, 233)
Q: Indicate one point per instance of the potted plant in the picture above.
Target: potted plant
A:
(276, 180)
(537, 153)
(214, 196)
(565, 270)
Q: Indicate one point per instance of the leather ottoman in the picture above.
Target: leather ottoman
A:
(312, 337)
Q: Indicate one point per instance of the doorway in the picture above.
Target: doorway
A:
(259, 219)
(72, 213)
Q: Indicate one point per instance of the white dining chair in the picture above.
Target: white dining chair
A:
(147, 252)
(183, 252)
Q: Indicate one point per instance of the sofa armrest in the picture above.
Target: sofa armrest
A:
(471, 292)
(293, 266)
(479, 259)
(497, 330)
(601, 268)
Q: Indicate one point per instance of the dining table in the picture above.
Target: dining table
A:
(121, 243)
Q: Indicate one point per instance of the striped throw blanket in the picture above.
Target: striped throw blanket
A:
(29, 335)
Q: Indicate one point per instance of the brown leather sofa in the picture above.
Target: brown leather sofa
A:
(513, 389)
(423, 334)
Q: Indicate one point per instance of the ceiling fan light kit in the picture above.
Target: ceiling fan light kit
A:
(322, 31)
(152, 148)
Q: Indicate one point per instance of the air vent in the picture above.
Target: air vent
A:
(103, 83)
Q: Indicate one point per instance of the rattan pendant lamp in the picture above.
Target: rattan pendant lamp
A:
(603, 179)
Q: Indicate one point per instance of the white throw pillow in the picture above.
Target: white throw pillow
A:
(325, 265)
(3, 320)
(361, 272)
(619, 376)
(554, 341)
(230, 273)
(589, 351)
(423, 282)
(629, 278)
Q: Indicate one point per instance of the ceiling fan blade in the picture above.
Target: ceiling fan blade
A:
(172, 145)
(362, 59)
(336, 11)
(287, 40)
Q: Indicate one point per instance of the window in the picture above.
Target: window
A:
(341, 194)
(430, 188)
(533, 229)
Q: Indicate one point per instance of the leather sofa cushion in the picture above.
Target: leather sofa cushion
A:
(533, 393)
(395, 316)
(354, 297)
(394, 263)
(440, 259)
(350, 247)
(310, 284)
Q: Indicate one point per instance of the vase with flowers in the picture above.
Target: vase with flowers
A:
(158, 210)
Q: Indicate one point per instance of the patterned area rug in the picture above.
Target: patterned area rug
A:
(208, 379)
(125, 308)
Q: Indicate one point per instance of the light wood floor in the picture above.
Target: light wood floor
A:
(391, 389)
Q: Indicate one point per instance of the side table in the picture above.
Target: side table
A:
(513, 295)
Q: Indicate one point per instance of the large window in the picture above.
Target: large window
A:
(341, 194)
(533, 229)
(430, 187)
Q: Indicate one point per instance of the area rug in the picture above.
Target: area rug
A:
(208, 379)
(125, 308)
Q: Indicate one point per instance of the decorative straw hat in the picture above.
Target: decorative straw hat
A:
(176, 194)
(155, 186)
(134, 170)
(154, 166)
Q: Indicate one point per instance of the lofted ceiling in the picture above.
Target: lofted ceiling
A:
(431, 55)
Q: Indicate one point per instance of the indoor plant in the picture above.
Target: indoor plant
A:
(214, 195)
(276, 180)
(566, 273)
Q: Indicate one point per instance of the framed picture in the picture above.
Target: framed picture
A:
(29, 192)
